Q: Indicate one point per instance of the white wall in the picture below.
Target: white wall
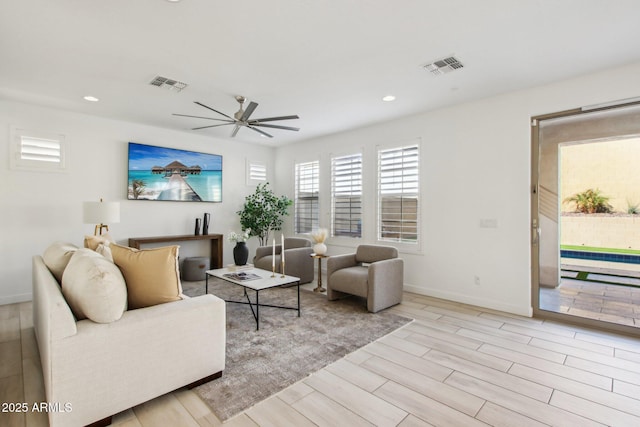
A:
(475, 165)
(37, 208)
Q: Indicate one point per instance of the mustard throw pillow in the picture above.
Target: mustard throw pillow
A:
(152, 275)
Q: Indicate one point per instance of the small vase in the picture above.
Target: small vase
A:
(240, 253)
(196, 232)
(205, 224)
(320, 248)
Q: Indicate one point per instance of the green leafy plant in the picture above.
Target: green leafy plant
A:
(590, 201)
(633, 208)
(263, 212)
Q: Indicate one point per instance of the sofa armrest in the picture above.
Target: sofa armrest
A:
(385, 284)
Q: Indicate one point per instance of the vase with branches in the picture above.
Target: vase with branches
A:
(263, 212)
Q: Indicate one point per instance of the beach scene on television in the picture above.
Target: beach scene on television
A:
(158, 173)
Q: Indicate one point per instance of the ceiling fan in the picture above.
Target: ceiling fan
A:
(241, 118)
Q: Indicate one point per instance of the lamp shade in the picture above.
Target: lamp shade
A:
(101, 212)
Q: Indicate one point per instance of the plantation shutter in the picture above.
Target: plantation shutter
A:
(306, 198)
(398, 179)
(40, 150)
(346, 191)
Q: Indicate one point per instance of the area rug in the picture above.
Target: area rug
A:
(287, 348)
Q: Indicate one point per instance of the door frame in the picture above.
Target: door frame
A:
(535, 221)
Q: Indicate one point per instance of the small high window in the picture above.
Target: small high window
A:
(37, 151)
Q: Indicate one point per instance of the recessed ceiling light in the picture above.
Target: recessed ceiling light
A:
(173, 1)
(389, 98)
(91, 98)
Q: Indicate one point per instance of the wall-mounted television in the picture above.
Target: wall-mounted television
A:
(159, 173)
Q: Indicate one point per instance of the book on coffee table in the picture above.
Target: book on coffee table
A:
(242, 276)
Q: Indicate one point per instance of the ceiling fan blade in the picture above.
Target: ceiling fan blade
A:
(247, 113)
(211, 126)
(200, 117)
(272, 119)
(212, 109)
(235, 131)
(275, 126)
(259, 131)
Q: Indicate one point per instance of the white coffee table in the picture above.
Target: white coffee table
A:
(257, 280)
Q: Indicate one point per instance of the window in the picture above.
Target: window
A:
(37, 150)
(346, 196)
(306, 198)
(398, 178)
(256, 172)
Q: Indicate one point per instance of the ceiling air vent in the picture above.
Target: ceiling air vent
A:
(166, 83)
(443, 66)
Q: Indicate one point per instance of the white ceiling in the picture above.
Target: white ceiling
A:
(329, 61)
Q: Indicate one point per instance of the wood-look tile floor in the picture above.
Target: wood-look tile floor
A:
(601, 301)
(455, 365)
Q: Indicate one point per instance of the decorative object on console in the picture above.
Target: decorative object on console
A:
(101, 213)
(263, 211)
(205, 223)
(196, 177)
(240, 251)
(196, 232)
(319, 236)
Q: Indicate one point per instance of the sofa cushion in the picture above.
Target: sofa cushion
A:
(57, 256)
(94, 287)
(152, 275)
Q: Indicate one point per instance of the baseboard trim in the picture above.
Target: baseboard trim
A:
(465, 299)
(13, 299)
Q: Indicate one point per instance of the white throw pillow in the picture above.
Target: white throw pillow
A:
(94, 287)
(57, 256)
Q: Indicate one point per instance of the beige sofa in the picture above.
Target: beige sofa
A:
(95, 370)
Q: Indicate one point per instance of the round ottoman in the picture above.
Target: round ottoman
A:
(193, 268)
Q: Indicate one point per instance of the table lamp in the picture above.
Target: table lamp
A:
(101, 213)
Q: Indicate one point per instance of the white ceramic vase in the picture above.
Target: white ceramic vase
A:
(320, 248)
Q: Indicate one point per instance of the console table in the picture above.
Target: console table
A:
(216, 244)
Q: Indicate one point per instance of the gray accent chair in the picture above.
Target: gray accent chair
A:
(374, 272)
(297, 258)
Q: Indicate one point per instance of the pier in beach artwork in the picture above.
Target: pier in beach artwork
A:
(185, 176)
